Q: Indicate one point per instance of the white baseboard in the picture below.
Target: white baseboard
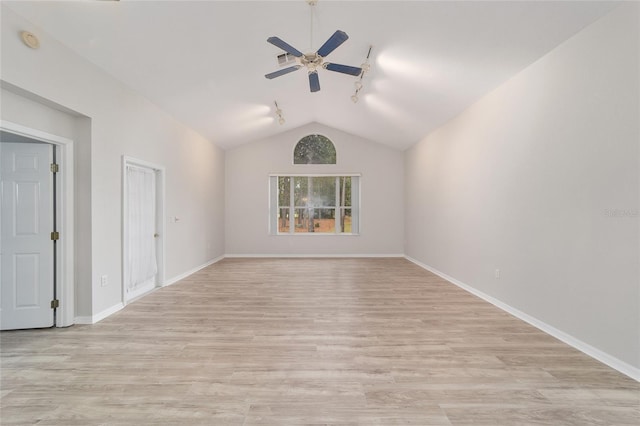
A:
(140, 291)
(100, 316)
(112, 310)
(330, 255)
(191, 271)
(603, 357)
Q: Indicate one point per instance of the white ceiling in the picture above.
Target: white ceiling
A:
(204, 61)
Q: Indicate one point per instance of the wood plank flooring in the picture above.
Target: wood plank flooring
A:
(307, 342)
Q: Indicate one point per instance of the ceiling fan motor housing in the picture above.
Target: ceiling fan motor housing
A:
(311, 60)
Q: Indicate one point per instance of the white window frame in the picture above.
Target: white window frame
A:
(355, 204)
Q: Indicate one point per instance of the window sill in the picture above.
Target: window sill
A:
(314, 234)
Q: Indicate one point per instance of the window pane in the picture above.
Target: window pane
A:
(314, 191)
(345, 191)
(303, 220)
(323, 190)
(283, 220)
(325, 220)
(345, 221)
(317, 220)
(314, 149)
(300, 191)
(284, 186)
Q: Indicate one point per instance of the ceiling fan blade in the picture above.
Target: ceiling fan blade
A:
(332, 44)
(314, 81)
(284, 46)
(283, 71)
(345, 69)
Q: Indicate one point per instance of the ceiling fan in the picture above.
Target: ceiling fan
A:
(313, 61)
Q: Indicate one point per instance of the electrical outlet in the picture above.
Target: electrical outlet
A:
(497, 274)
(104, 280)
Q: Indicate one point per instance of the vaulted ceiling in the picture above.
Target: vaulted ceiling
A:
(204, 61)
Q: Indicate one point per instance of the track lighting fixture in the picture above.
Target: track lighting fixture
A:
(279, 114)
(358, 84)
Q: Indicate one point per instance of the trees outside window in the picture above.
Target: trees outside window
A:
(314, 149)
(315, 204)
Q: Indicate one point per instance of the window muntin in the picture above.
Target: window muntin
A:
(314, 204)
(314, 149)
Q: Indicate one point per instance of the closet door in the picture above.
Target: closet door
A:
(140, 231)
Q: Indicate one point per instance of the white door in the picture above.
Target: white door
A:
(27, 251)
(140, 231)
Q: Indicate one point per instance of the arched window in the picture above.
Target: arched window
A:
(314, 149)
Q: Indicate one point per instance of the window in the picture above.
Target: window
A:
(314, 149)
(318, 204)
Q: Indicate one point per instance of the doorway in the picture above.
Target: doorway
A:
(37, 287)
(143, 228)
(27, 238)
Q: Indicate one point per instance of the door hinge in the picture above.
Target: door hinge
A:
(55, 303)
(55, 168)
(55, 236)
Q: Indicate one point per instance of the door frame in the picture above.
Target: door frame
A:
(65, 283)
(160, 220)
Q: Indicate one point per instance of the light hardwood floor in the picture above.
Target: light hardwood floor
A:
(308, 341)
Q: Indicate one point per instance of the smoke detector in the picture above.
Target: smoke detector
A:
(30, 39)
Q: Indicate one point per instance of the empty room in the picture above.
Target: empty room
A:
(319, 212)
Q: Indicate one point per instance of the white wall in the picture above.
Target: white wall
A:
(524, 180)
(247, 203)
(124, 123)
(34, 113)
